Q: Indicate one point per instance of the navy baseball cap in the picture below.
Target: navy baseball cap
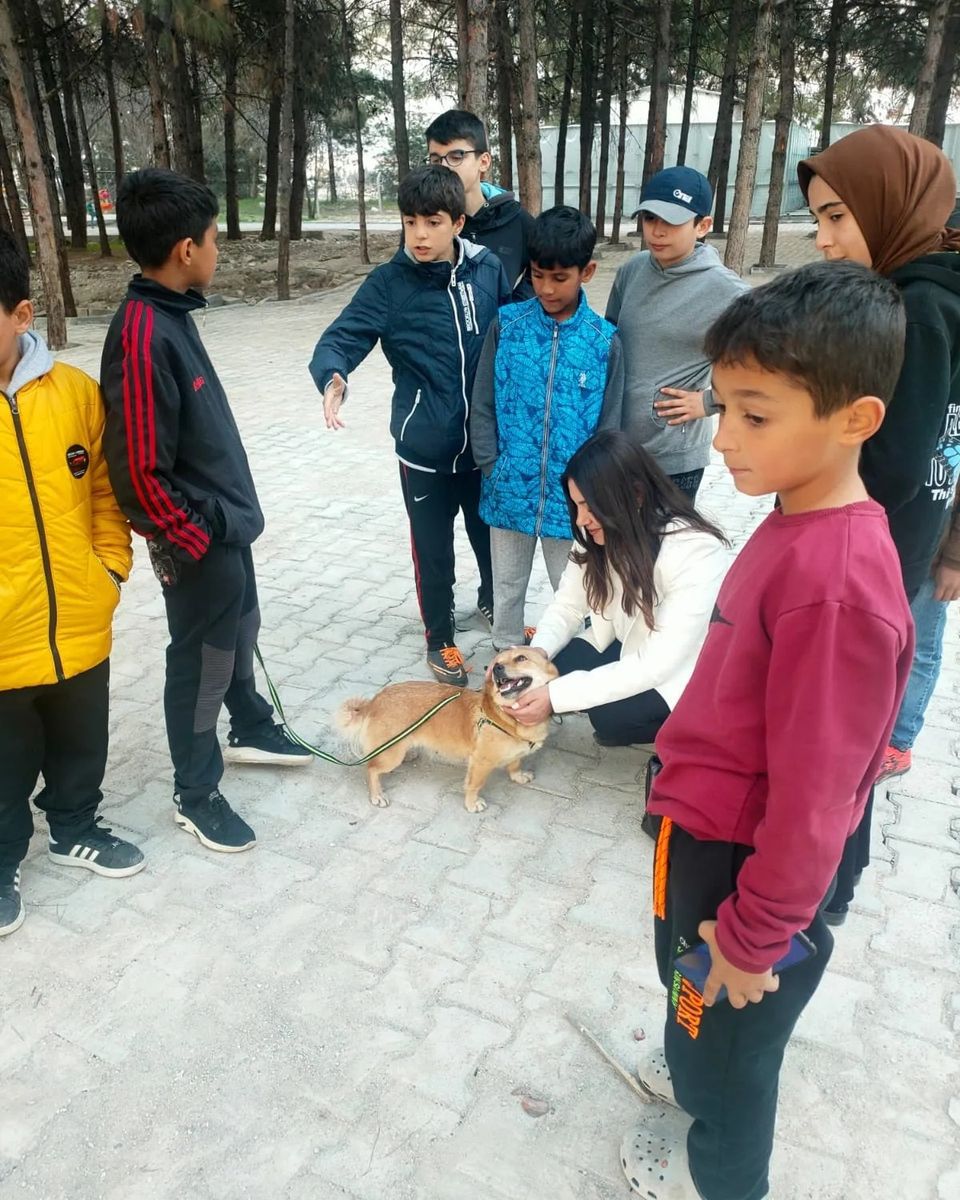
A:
(676, 195)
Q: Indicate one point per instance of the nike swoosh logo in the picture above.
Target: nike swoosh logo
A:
(717, 617)
(417, 499)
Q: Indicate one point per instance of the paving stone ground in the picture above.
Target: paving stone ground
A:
(353, 1010)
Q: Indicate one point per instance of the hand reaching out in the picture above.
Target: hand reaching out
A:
(332, 399)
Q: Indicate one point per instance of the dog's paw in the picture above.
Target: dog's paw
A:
(380, 800)
(522, 777)
(477, 806)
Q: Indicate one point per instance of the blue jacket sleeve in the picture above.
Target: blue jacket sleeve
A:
(351, 337)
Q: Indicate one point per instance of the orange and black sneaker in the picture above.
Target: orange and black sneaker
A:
(447, 664)
(895, 762)
(528, 632)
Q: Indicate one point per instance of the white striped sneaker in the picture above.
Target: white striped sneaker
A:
(99, 851)
(11, 906)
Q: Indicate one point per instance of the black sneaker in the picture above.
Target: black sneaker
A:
(447, 664)
(214, 823)
(11, 906)
(272, 748)
(99, 851)
(485, 609)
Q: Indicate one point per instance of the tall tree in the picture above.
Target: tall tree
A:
(943, 83)
(623, 100)
(331, 168)
(397, 94)
(606, 101)
(588, 96)
(268, 228)
(106, 50)
(659, 94)
(151, 27)
(838, 13)
(719, 169)
(12, 195)
(565, 100)
(504, 68)
(356, 112)
(749, 139)
(71, 103)
(40, 208)
(301, 149)
(786, 33)
(477, 57)
(230, 54)
(693, 63)
(105, 250)
(923, 92)
(529, 162)
(286, 154)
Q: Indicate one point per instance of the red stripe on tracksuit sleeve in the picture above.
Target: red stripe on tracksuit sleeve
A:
(138, 405)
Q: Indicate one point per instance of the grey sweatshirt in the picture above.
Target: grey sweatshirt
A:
(663, 315)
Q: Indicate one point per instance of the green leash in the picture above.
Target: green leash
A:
(330, 758)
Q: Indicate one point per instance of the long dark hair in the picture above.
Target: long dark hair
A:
(634, 501)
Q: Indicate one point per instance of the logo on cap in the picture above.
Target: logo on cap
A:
(682, 196)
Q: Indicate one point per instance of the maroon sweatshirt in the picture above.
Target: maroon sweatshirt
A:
(778, 736)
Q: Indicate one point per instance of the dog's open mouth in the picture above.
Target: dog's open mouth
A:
(513, 687)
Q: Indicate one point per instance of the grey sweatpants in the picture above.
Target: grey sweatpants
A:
(512, 555)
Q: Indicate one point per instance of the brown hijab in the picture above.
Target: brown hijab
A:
(900, 189)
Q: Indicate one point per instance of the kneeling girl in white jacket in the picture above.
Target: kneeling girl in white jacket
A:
(646, 568)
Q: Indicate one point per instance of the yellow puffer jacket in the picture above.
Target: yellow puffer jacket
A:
(61, 527)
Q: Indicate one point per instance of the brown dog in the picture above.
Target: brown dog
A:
(476, 728)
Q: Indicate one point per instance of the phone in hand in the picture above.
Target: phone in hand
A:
(695, 964)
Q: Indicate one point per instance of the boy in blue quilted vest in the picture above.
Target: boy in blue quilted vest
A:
(550, 376)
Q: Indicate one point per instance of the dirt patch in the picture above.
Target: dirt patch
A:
(246, 270)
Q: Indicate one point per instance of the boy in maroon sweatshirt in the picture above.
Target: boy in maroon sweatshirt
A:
(768, 758)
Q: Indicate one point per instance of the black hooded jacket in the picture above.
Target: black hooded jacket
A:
(503, 227)
(910, 464)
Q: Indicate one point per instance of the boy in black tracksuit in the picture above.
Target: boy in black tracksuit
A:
(430, 308)
(181, 475)
(457, 139)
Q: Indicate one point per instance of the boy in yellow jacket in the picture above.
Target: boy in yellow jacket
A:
(66, 549)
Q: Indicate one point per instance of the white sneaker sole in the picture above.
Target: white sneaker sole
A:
(15, 923)
(68, 860)
(188, 825)
(252, 757)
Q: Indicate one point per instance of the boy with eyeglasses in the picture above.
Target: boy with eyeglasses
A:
(458, 140)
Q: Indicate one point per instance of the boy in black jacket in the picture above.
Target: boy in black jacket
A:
(457, 139)
(181, 475)
(429, 308)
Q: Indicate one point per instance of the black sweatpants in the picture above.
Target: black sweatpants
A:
(433, 501)
(626, 722)
(725, 1062)
(213, 617)
(60, 731)
(689, 482)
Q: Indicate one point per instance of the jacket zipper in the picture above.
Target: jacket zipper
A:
(546, 430)
(463, 363)
(416, 401)
(42, 533)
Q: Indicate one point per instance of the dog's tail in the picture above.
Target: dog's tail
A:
(351, 718)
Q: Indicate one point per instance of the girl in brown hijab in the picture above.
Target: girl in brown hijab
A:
(881, 197)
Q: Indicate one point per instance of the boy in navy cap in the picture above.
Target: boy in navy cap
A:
(663, 301)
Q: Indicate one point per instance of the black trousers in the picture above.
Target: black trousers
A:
(725, 1062)
(856, 857)
(433, 501)
(59, 730)
(625, 722)
(213, 617)
(689, 482)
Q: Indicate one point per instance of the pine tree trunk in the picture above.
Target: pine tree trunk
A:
(529, 163)
(838, 12)
(285, 179)
(588, 87)
(357, 131)
(659, 95)
(463, 20)
(331, 170)
(106, 49)
(298, 185)
(477, 57)
(719, 170)
(41, 212)
(105, 251)
(196, 139)
(71, 103)
(749, 139)
(943, 82)
(787, 34)
(606, 99)
(565, 98)
(504, 60)
(398, 90)
(623, 99)
(923, 93)
(268, 230)
(230, 138)
(182, 117)
(12, 195)
(690, 85)
(161, 144)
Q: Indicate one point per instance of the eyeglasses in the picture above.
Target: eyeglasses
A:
(452, 158)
